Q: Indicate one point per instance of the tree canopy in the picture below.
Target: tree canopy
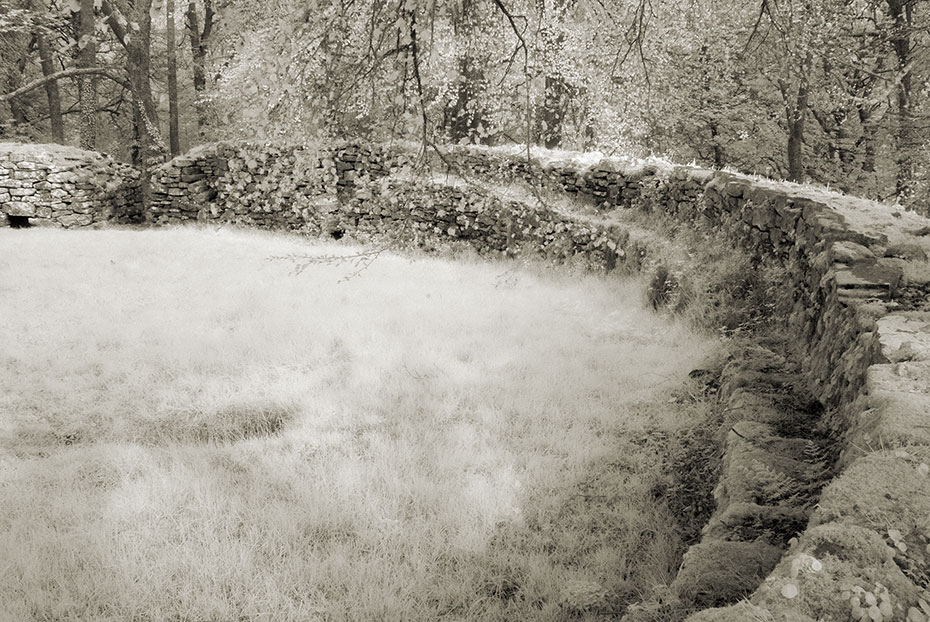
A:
(835, 92)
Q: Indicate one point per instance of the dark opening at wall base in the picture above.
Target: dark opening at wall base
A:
(19, 222)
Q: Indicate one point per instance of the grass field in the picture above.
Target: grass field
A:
(190, 431)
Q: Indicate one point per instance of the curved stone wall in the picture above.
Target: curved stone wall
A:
(66, 187)
(858, 294)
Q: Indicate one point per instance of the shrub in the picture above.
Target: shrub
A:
(662, 286)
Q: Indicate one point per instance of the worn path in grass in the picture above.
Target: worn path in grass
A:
(189, 431)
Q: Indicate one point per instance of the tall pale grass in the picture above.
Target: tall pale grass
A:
(189, 431)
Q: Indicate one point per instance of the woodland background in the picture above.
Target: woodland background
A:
(834, 92)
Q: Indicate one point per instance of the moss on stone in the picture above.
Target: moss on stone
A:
(880, 491)
(719, 572)
(829, 562)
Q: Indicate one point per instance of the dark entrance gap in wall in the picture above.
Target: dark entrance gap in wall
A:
(19, 222)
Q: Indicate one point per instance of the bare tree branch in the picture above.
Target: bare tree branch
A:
(67, 73)
(763, 9)
(635, 35)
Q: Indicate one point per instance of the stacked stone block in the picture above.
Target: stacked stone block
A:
(66, 187)
(410, 210)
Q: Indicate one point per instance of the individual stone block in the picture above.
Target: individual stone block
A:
(20, 208)
(905, 337)
(76, 220)
(848, 252)
(84, 207)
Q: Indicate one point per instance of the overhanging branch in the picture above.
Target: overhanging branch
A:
(67, 73)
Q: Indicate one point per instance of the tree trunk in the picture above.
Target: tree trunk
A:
(795, 111)
(140, 71)
(135, 151)
(14, 81)
(138, 65)
(174, 139)
(719, 161)
(795, 143)
(464, 115)
(866, 142)
(588, 134)
(51, 90)
(198, 41)
(556, 90)
(901, 12)
(137, 41)
(87, 85)
(555, 100)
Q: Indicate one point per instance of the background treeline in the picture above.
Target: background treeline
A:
(835, 92)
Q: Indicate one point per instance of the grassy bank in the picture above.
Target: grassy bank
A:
(189, 431)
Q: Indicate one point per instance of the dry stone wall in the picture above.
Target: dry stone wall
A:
(262, 185)
(858, 296)
(847, 258)
(66, 187)
(365, 191)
